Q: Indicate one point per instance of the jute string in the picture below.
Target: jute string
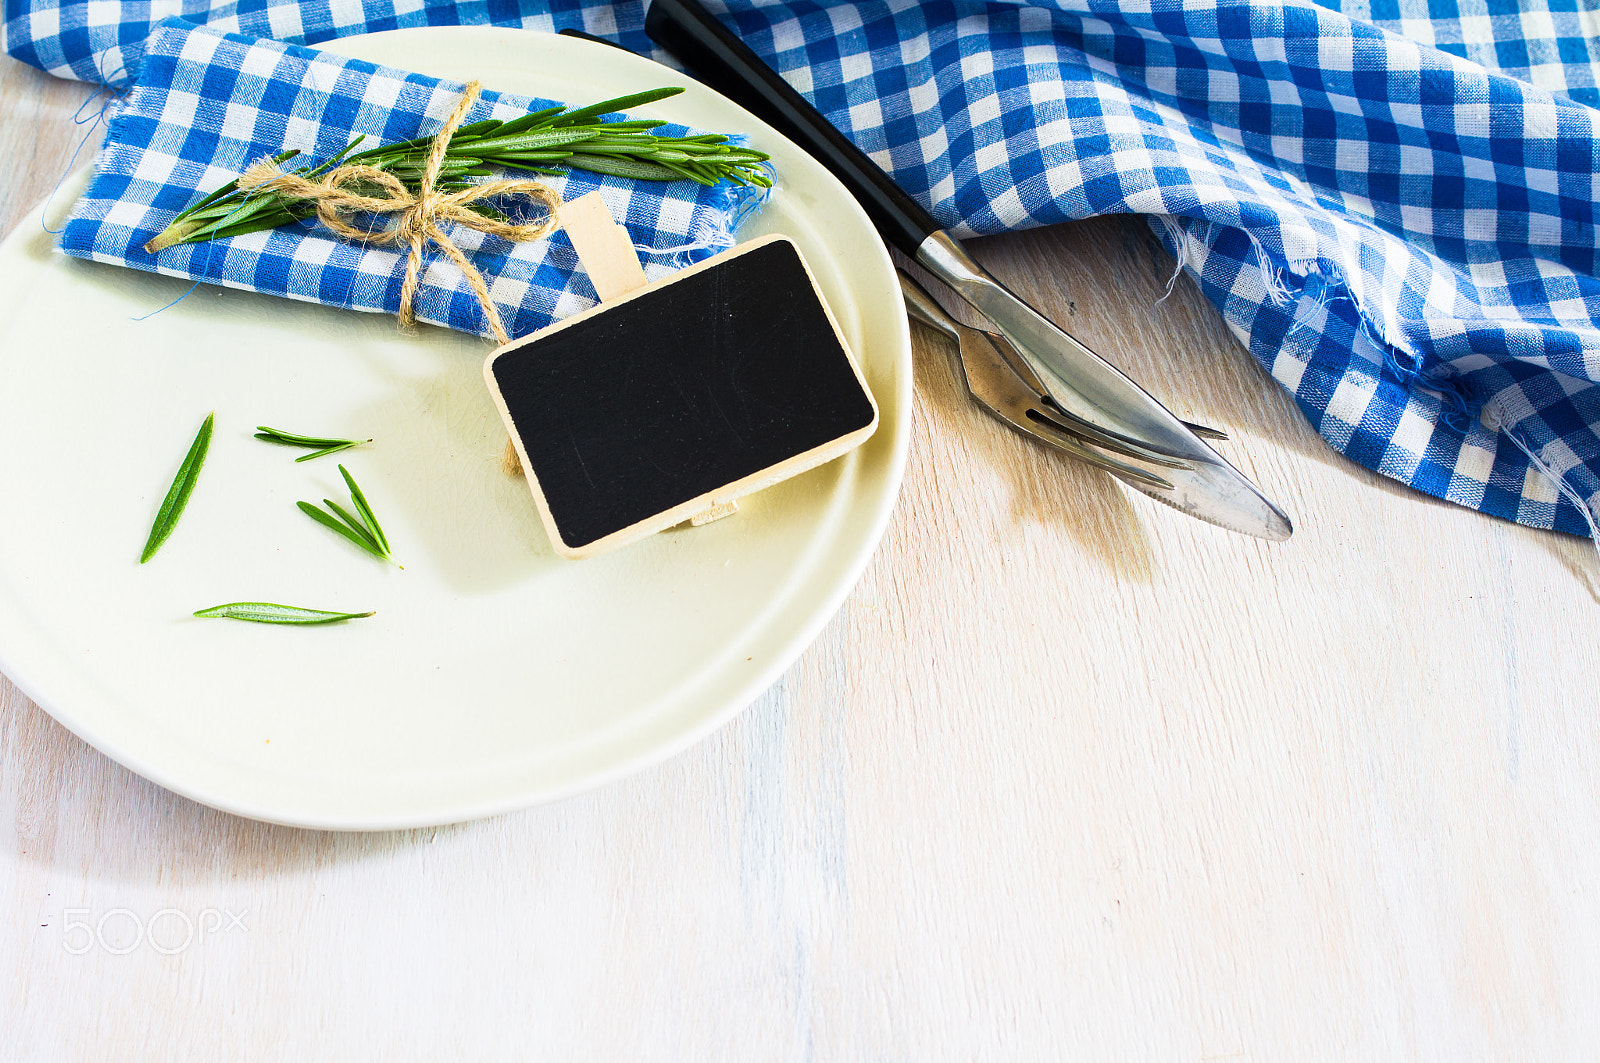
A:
(420, 216)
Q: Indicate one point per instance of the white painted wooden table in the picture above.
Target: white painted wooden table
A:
(1069, 776)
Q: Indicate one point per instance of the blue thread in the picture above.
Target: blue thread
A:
(78, 119)
(205, 265)
(99, 68)
(176, 301)
(114, 95)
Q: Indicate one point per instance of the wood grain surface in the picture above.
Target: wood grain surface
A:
(1070, 776)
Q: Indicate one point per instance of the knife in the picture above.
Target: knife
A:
(993, 381)
(1080, 383)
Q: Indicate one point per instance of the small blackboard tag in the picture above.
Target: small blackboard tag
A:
(679, 397)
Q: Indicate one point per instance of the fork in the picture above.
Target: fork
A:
(1003, 384)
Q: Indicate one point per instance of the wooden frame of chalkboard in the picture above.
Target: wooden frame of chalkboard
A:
(669, 402)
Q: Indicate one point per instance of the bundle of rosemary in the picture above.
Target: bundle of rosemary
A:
(539, 142)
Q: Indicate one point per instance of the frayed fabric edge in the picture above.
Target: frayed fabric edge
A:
(1273, 286)
(1278, 287)
(1457, 407)
(714, 229)
(1492, 420)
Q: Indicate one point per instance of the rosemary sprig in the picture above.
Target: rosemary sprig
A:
(542, 142)
(320, 444)
(272, 613)
(178, 494)
(363, 530)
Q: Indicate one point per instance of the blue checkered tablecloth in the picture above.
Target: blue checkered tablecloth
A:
(1392, 205)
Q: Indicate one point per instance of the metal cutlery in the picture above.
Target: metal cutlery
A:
(995, 385)
(1095, 399)
(1002, 384)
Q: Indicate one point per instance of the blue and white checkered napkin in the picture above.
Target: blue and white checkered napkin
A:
(208, 104)
(1393, 207)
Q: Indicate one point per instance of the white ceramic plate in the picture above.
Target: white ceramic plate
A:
(494, 675)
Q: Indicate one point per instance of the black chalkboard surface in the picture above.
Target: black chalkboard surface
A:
(644, 412)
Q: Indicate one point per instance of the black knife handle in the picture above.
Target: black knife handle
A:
(714, 55)
(592, 39)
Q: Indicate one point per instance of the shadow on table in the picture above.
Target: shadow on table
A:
(1046, 486)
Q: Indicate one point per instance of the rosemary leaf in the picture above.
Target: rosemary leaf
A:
(528, 121)
(294, 439)
(272, 613)
(329, 521)
(322, 445)
(325, 451)
(488, 125)
(355, 525)
(544, 138)
(178, 494)
(639, 171)
(364, 531)
(639, 125)
(621, 103)
(365, 510)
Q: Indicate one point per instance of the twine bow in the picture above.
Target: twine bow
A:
(420, 216)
